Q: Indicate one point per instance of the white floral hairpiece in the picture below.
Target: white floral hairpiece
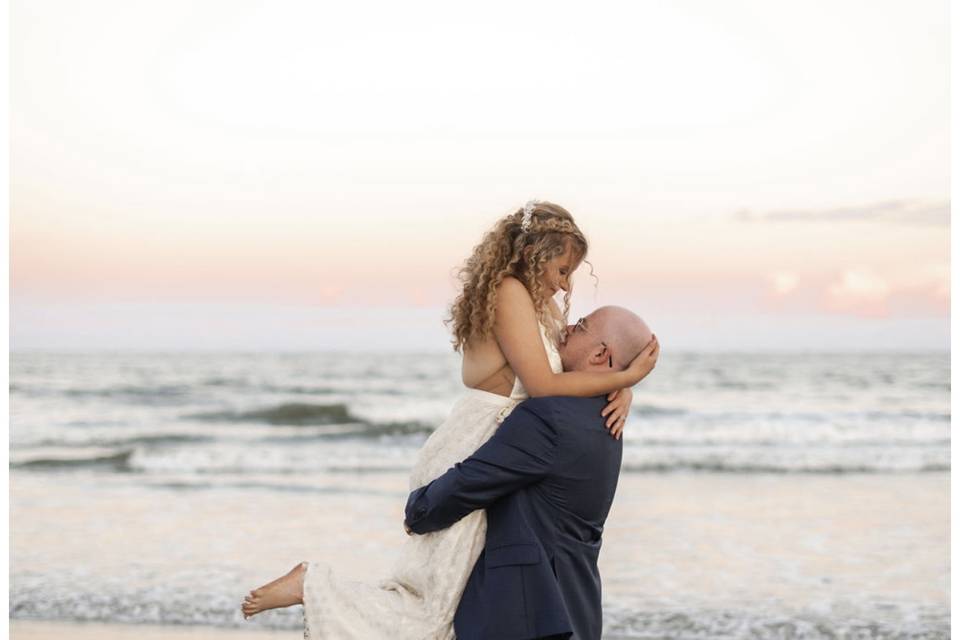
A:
(528, 214)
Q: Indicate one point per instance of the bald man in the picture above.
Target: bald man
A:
(547, 478)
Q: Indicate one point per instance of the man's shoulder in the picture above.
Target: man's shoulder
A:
(553, 408)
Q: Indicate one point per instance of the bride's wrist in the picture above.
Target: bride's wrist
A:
(625, 379)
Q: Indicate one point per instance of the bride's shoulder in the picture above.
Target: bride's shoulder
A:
(512, 292)
(512, 284)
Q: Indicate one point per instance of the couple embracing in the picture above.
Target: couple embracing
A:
(510, 493)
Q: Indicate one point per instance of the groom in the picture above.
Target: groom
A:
(547, 479)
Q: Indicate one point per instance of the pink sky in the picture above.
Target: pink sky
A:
(793, 195)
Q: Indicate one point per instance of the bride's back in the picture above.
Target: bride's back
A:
(486, 368)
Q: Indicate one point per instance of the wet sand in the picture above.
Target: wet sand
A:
(848, 547)
(48, 630)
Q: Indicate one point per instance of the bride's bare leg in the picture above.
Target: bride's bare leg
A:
(285, 591)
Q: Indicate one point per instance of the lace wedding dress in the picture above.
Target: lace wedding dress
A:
(418, 599)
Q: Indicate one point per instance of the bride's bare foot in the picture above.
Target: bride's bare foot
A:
(285, 591)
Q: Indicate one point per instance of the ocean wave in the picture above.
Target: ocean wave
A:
(715, 466)
(278, 461)
(159, 394)
(289, 413)
(337, 417)
(115, 460)
(282, 487)
(360, 430)
(122, 441)
(891, 622)
(158, 391)
(285, 461)
(211, 598)
(303, 434)
(220, 381)
(652, 410)
(780, 443)
(388, 388)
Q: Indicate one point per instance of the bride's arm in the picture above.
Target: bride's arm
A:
(518, 334)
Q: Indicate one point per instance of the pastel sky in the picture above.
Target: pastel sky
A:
(299, 175)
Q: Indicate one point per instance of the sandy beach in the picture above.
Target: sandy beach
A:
(848, 550)
(43, 629)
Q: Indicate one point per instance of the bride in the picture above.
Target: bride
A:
(507, 325)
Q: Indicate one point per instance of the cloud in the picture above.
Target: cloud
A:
(859, 291)
(914, 211)
(783, 282)
(859, 284)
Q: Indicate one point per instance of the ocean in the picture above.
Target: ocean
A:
(762, 495)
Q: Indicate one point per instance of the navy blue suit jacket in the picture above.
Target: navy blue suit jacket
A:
(547, 478)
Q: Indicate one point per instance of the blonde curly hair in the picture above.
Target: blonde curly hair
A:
(508, 250)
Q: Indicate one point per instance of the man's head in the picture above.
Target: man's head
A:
(606, 340)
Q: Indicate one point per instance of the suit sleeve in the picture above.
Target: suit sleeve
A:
(520, 452)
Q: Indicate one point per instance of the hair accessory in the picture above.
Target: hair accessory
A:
(528, 214)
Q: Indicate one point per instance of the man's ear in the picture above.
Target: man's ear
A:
(599, 355)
